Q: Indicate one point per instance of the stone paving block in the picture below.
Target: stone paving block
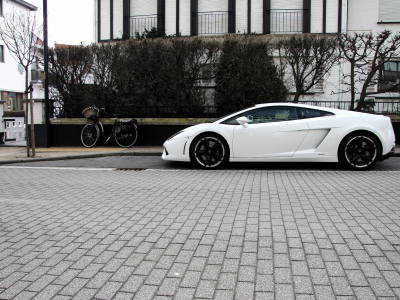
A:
(48, 292)
(244, 290)
(24, 295)
(380, 287)
(73, 287)
(12, 291)
(169, 287)
(146, 292)
(341, 286)
(356, 278)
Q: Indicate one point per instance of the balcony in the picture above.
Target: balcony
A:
(286, 21)
(142, 22)
(213, 22)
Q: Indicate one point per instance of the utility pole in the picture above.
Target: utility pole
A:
(46, 75)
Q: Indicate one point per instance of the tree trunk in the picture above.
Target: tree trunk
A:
(352, 86)
(26, 115)
(296, 97)
(32, 127)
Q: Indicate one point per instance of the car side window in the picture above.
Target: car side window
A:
(307, 113)
(265, 115)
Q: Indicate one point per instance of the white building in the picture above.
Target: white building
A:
(117, 18)
(12, 75)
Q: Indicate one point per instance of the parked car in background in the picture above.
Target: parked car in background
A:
(286, 132)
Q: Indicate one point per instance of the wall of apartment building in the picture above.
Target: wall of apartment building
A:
(12, 75)
(356, 15)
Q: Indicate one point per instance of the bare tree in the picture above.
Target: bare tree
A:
(306, 58)
(367, 54)
(19, 31)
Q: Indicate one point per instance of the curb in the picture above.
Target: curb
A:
(95, 155)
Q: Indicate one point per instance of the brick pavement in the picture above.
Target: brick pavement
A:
(193, 234)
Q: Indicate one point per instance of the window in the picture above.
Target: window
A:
(389, 11)
(265, 115)
(391, 71)
(389, 76)
(1, 53)
(307, 113)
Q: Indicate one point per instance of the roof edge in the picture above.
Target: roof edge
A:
(26, 4)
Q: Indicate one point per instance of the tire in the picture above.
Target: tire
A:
(209, 151)
(127, 140)
(90, 135)
(359, 151)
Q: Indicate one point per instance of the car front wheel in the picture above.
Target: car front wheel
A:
(209, 151)
(359, 151)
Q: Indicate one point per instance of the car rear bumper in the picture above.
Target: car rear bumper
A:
(389, 154)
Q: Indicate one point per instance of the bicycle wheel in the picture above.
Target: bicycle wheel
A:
(90, 134)
(127, 140)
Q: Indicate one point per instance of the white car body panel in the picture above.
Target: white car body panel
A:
(274, 139)
(313, 139)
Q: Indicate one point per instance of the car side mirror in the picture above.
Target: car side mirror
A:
(243, 121)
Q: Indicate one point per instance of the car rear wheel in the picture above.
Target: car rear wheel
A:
(359, 151)
(209, 151)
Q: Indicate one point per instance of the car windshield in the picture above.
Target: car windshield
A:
(232, 113)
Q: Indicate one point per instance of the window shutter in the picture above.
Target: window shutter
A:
(287, 4)
(143, 7)
(213, 5)
(389, 11)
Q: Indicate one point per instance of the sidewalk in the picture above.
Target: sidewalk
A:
(16, 151)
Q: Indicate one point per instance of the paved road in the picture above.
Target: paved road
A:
(182, 234)
(155, 162)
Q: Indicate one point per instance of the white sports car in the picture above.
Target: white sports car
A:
(286, 132)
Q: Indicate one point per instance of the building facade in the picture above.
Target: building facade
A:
(122, 18)
(12, 74)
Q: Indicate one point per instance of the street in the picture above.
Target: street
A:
(142, 228)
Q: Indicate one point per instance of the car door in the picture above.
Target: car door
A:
(273, 131)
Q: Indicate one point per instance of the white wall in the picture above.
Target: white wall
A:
(184, 17)
(364, 16)
(170, 17)
(118, 20)
(11, 80)
(105, 19)
(257, 16)
(241, 16)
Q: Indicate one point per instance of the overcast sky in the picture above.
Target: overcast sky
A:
(69, 21)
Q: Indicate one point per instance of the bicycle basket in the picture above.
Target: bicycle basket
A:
(91, 113)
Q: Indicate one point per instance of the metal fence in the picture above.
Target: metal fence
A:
(213, 22)
(392, 107)
(210, 111)
(141, 22)
(286, 20)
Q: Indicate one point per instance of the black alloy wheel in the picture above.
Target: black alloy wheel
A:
(209, 151)
(360, 151)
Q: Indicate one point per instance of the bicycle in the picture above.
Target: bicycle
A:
(124, 131)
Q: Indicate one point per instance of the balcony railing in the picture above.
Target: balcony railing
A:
(286, 20)
(141, 22)
(213, 22)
